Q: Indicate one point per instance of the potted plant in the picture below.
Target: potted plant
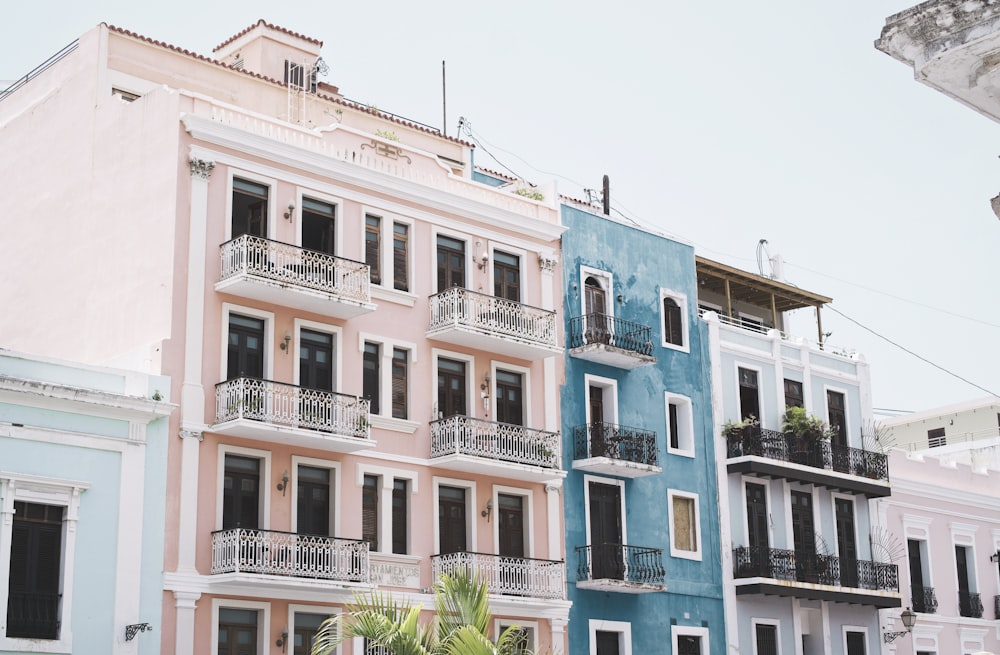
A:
(735, 431)
(804, 431)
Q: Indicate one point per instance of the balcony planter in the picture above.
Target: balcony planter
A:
(735, 433)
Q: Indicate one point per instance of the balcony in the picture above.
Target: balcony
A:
(970, 604)
(289, 276)
(620, 568)
(774, 571)
(285, 413)
(33, 615)
(507, 576)
(615, 450)
(472, 445)
(475, 320)
(610, 340)
(924, 600)
(241, 551)
(769, 453)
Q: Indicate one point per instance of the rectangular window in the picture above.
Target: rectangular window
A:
(241, 492)
(936, 438)
(450, 263)
(684, 525)
(373, 247)
(608, 643)
(673, 328)
(510, 400)
(680, 427)
(767, 639)
(855, 643)
(688, 645)
(837, 417)
(793, 394)
(400, 368)
(507, 276)
(369, 510)
(749, 399)
(35, 557)
(370, 378)
(237, 631)
(306, 626)
(400, 256)
(249, 208)
(451, 388)
(295, 74)
(318, 223)
(451, 519)
(245, 356)
(672, 425)
(400, 511)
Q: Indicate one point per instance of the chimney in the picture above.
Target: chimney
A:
(606, 195)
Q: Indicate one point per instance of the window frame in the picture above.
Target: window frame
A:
(521, 255)
(609, 387)
(43, 491)
(501, 624)
(471, 503)
(338, 212)
(294, 608)
(685, 424)
(387, 477)
(263, 512)
(525, 373)
(623, 628)
(761, 405)
(695, 554)
(843, 391)
(775, 623)
(385, 419)
(690, 631)
(385, 288)
(334, 331)
(607, 280)
(470, 378)
(268, 318)
(257, 178)
(613, 482)
(263, 623)
(335, 493)
(529, 516)
(844, 629)
(682, 305)
(470, 264)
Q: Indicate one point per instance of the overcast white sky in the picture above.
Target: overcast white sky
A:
(719, 122)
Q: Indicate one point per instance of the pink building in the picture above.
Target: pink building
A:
(362, 337)
(942, 526)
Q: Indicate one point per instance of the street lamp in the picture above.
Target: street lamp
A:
(908, 618)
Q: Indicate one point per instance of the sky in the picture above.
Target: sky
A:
(720, 123)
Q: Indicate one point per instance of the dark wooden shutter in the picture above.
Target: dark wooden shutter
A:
(369, 511)
(400, 257)
(399, 512)
(399, 374)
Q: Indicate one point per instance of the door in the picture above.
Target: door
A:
(804, 537)
(306, 627)
(856, 643)
(318, 223)
(451, 519)
(916, 576)
(759, 556)
(514, 578)
(599, 446)
(450, 263)
(506, 276)
(249, 208)
(245, 357)
(606, 544)
(749, 396)
(451, 388)
(315, 360)
(966, 606)
(846, 544)
(607, 642)
(237, 631)
(597, 322)
(510, 403)
(313, 503)
(241, 492)
(837, 418)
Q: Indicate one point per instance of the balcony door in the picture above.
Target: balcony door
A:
(451, 388)
(451, 519)
(450, 263)
(241, 492)
(245, 357)
(749, 394)
(837, 417)
(606, 541)
(804, 537)
(598, 434)
(249, 208)
(598, 323)
(237, 631)
(318, 223)
(313, 501)
(510, 525)
(757, 537)
(847, 546)
(316, 360)
(917, 595)
(510, 401)
(506, 276)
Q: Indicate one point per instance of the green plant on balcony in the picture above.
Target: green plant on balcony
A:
(530, 193)
(806, 427)
(734, 430)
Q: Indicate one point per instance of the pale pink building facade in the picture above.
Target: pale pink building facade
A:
(942, 527)
(363, 339)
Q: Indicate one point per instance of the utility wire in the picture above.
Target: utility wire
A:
(907, 350)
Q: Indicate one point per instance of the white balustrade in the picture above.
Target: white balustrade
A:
(242, 550)
(498, 316)
(464, 435)
(510, 576)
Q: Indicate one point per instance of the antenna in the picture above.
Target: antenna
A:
(444, 104)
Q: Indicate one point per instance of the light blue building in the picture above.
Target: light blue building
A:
(82, 487)
(640, 499)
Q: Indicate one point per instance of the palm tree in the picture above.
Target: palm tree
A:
(462, 628)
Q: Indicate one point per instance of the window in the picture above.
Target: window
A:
(316, 360)
(685, 525)
(749, 398)
(385, 508)
(610, 637)
(35, 558)
(837, 417)
(249, 208)
(525, 634)
(855, 642)
(313, 507)
(319, 226)
(675, 330)
(793, 394)
(451, 385)
(510, 398)
(373, 247)
(400, 515)
(921, 592)
(295, 74)
(936, 438)
(400, 372)
(605, 514)
(400, 256)
(370, 377)
(766, 636)
(451, 519)
(506, 276)
(680, 427)
(306, 625)
(450, 263)
(241, 492)
(689, 640)
(237, 631)
(969, 602)
(245, 356)
(369, 510)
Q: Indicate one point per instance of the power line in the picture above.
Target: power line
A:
(907, 350)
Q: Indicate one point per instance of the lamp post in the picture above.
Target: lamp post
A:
(908, 618)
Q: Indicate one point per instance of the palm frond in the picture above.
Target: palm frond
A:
(462, 600)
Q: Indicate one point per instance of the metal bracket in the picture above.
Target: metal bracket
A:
(133, 629)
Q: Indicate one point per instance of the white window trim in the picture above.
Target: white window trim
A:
(609, 392)
(685, 423)
(44, 491)
(834, 497)
(753, 632)
(693, 631)
(267, 317)
(295, 347)
(623, 628)
(263, 621)
(471, 511)
(334, 468)
(854, 628)
(520, 253)
(470, 263)
(329, 610)
(499, 625)
(615, 482)
(607, 281)
(386, 289)
(338, 215)
(385, 419)
(387, 477)
(964, 534)
(525, 374)
(674, 551)
(272, 194)
(682, 303)
(529, 518)
(263, 512)
(760, 388)
(767, 501)
(847, 409)
(471, 383)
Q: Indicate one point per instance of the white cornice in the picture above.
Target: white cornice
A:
(47, 395)
(209, 131)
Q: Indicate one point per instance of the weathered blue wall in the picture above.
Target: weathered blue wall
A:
(642, 264)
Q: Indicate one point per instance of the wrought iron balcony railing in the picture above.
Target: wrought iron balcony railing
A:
(760, 442)
(464, 435)
(33, 615)
(287, 404)
(611, 331)
(509, 576)
(242, 550)
(970, 604)
(634, 564)
(924, 600)
(814, 568)
(616, 442)
(297, 267)
(497, 316)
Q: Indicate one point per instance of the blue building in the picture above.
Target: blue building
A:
(641, 497)
(82, 486)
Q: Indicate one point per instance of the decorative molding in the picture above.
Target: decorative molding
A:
(547, 264)
(191, 434)
(200, 168)
(386, 150)
(135, 628)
